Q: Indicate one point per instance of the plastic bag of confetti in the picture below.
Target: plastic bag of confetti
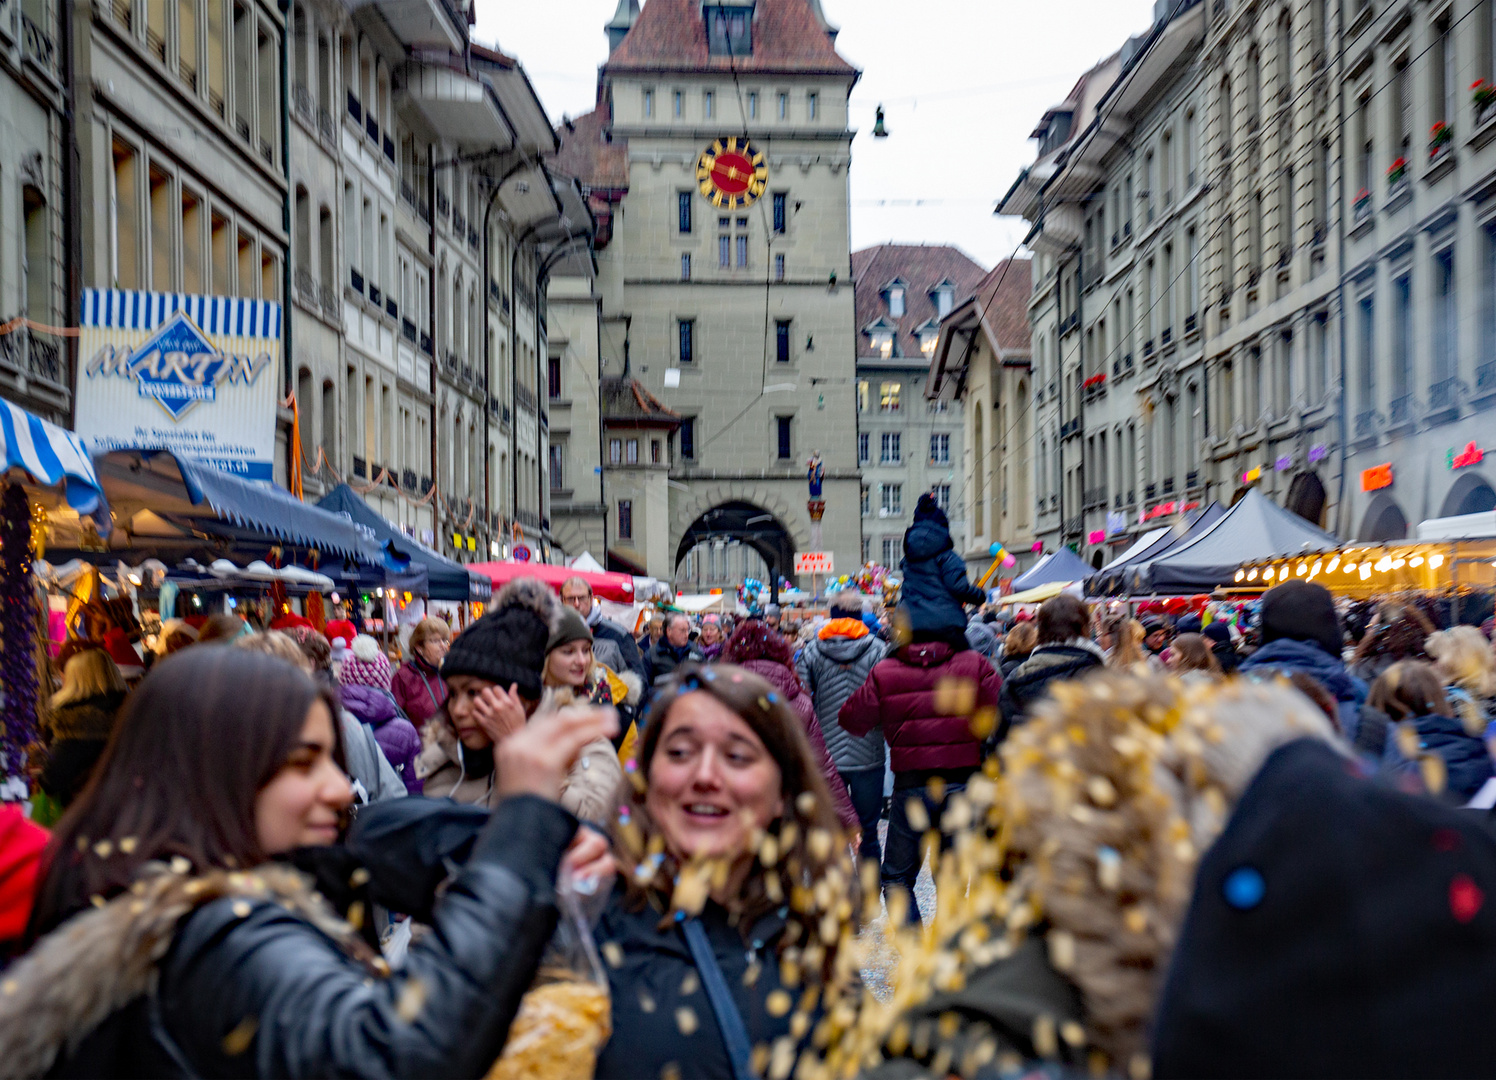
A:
(566, 1015)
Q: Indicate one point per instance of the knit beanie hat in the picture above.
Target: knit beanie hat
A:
(508, 645)
(365, 665)
(570, 627)
(341, 628)
(1302, 611)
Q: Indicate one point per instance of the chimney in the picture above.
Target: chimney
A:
(623, 21)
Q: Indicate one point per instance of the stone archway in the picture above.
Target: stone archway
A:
(1384, 520)
(746, 523)
(1471, 494)
(1307, 497)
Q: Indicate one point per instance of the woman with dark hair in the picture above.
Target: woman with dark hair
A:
(1397, 632)
(1065, 651)
(759, 648)
(1412, 691)
(729, 818)
(185, 948)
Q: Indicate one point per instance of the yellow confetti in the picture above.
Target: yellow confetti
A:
(778, 1003)
(358, 878)
(356, 914)
(1140, 1068)
(82, 843)
(646, 1001)
(819, 841)
(1073, 1033)
(760, 1059)
(805, 803)
(782, 1060)
(411, 1001)
(955, 697)
(1434, 773)
(613, 954)
(948, 1024)
(1101, 791)
(752, 972)
(241, 909)
(1044, 1041)
(1061, 949)
(916, 814)
(1135, 919)
(690, 984)
(685, 1020)
(104, 848)
(671, 1071)
(8, 987)
(127, 845)
(799, 1025)
(984, 722)
(179, 865)
(96, 900)
(768, 853)
(238, 1040)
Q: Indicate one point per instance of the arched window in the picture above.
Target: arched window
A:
(303, 231)
(38, 255)
(326, 247)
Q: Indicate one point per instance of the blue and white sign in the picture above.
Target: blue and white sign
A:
(196, 375)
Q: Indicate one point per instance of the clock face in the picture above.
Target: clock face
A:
(732, 173)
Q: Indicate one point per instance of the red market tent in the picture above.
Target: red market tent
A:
(616, 587)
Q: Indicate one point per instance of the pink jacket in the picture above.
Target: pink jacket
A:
(419, 695)
(784, 680)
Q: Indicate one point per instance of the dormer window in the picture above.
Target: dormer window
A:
(944, 296)
(896, 300)
(927, 340)
(729, 29)
(883, 343)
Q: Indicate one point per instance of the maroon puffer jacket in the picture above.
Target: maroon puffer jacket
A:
(785, 681)
(900, 695)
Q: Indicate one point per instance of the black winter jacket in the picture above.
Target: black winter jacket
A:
(258, 973)
(649, 992)
(934, 577)
(1046, 664)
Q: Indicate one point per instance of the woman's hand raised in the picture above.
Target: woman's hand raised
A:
(499, 713)
(536, 759)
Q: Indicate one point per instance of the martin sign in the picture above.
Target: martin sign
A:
(191, 374)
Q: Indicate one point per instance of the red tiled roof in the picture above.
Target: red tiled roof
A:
(671, 36)
(922, 267)
(588, 155)
(1003, 299)
(624, 400)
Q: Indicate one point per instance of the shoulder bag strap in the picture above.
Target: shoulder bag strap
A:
(729, 1019)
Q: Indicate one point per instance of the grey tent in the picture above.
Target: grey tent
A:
(1117, 579)
(1255, 528)
(1062, 566)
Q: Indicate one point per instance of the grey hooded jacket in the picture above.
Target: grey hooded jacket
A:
(832, 669)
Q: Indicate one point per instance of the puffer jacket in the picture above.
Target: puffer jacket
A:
(395, 734)
(260, 978)
(831, 668)
(934, 577)
(78, 732)
(450, 770)
(900, 694)
(1467, 764)
(1047, 664)
(419, 690)
(783, 680)
(1286, 655)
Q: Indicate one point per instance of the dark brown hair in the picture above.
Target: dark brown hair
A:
(769, 716)
(1021, 640)
(1407, 689)
(1194, 653)
(195, 743)
(1061, 619)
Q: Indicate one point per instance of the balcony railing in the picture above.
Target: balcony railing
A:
(1400, 410)
(1167, 336)
(325, 126)
(473, 238)
(372, 127)
(524, 397)
(1168, 485)
(376, 297)
(1485, 378)
(1074, 525)
(426, 343)
(27, 352)
(306, 286)
(389, 148)
(1366, 424)
(301, 100)
(1192, 479)
(360, 468)
(1150, 491)
(408, 480)
(391, 308)
(442, 205)
(459, 222)
(1444, 394)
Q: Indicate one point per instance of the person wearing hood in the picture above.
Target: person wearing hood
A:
(1063, 652)
(417, 685)
(1219, 635)
(1411, 692)
(365, 679)
(831, 667)
(495, 684)
(1156, 636)
(1301, 632)
(930, 702)
(79, 723)
(935, 587)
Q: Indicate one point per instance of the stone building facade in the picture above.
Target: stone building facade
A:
(736, 315)
(906, 445)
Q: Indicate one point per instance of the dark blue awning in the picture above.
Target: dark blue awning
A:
(447, 580)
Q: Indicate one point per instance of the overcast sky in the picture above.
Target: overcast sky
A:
(962, 83)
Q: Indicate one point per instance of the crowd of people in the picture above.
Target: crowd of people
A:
(1182, 844)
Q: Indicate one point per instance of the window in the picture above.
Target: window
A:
(942, 493)
(896, 301)
(1402, 338)
(649, 103)
(867, 549)
(685, 266)
(786, 451)
(888, 397)
(742, 251)
(784, 106)
(688, 438)
(782, 341)
(945, 299)
(940, 449)
(892, 448)
(724, 252)
(1366, 324)
(162, 207)
(631, 452)
(862, 387)
(553, 377)
(615, 451)
(864, 448)
(893, 499)
(1444, 316)
(779, 207)
(928, 339)
(38, 255)
(778, 267)
(708, 105)
(729, 31)
(867, 504)
(687, 341)
(679, 99)
(753, 105)
(558, 482)
(883, 343)
(812, 105)
(654, 451)
(625, 519)
(683, 211)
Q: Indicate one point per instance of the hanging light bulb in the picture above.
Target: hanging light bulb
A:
(1252, 574)
(1267, 575)
(1302, 570)
(1399, 562)
(1316, 568)
(1333, 565)
(1350, 568)
(1241, 575)
(1365, 571)
(1384, 564)
(1435, 561)
(1416, 561)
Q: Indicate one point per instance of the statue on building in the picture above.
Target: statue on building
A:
(815, 473)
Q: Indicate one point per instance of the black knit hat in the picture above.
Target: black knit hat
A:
(569, 627)
(507, 646)
(1338, 928)
(1302, 611)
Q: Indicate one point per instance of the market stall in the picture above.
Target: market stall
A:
(1063, 567)
(444, 578)
(1116, 578)
(1373, 571)
(616, 587)
(1036, 595)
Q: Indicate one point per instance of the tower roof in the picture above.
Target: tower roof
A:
(789, 37)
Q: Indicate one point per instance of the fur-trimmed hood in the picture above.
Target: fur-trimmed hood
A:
(96, 963)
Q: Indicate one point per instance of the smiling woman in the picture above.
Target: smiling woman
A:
(730, 832)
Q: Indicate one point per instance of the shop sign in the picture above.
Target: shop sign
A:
(1464, 459)
(1377, 477)
(813, 562)
(1318, 453)
(1284, 463)
(1251, 476)
(1161, 510)
(1116, 521)
(195, 375)
(521, 553)
(1097, 537)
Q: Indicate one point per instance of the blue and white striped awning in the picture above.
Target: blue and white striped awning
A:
(50, 455)
(133, 310)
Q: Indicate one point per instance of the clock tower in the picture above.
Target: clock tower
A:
(717, 164)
